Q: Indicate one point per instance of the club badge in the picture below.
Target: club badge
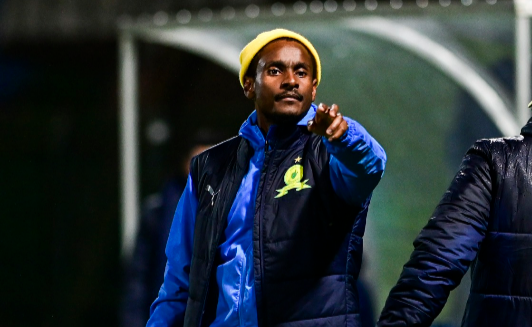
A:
(292, 179)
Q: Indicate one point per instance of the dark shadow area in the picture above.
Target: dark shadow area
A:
(60, 167)
(59, 184)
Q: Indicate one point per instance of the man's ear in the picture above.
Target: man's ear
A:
(314, 88)
(249, 87)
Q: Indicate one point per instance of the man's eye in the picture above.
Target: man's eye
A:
(274, 71)
(301, 74)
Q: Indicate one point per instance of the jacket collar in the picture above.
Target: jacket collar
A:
(251, 131)
(527, 129)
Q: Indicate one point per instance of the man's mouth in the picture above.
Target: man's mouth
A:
(289, 95)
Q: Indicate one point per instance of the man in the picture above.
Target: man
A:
(485, 218)
(269, 229)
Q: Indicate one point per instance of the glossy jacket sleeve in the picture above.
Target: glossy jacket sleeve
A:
(356, 164)
(445, 247)
(169, 307)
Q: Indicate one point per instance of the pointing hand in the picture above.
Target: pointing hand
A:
(328, 122)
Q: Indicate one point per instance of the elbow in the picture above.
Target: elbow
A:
(381, 160)
(378, 166)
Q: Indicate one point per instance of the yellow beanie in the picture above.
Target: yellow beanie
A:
(250, 50)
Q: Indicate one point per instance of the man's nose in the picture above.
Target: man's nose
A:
(290, 80)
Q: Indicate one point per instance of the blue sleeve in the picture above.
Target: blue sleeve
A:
(169, 307)
(356, 164)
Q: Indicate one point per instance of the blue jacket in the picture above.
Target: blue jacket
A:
(484, 218)
(354, 163)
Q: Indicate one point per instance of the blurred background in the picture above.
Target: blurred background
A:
(384, 62)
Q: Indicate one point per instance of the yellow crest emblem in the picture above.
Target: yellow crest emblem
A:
(292, 179)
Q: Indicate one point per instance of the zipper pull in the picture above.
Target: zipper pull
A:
(212, 193)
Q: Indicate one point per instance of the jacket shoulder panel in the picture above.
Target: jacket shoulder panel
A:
(498, 146)
(213, 157)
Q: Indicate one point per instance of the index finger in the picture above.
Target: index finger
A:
(322, 112)
(333, 110)
(323, 108)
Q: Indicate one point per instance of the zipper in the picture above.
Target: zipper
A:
(260, 222)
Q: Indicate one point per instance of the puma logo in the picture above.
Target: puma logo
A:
(212, 193)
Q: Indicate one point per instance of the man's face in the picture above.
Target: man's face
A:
(283, 88)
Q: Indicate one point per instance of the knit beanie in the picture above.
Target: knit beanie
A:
(252, 48)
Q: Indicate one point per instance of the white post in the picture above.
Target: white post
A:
(523, 10)
(129, 182)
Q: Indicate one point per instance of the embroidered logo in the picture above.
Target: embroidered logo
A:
(292, 179)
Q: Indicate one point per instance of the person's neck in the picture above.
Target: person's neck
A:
(265, 124)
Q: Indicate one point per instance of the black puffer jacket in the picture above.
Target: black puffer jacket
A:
(485, 217)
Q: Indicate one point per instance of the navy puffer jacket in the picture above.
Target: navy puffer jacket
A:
(307, 247)
(484, 218)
